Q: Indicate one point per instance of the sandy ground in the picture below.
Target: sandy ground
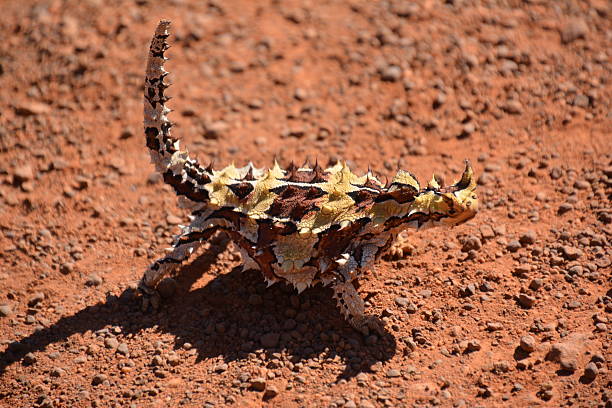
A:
(511, 309)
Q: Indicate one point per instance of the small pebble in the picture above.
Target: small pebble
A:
(527, 344)
(526, 301)
(111, 343)
(93, 280)
(590, 372)
(98, 379)
(6, 310)
(392, 373)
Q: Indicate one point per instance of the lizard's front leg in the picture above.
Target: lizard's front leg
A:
(350, 303)
(352, 307)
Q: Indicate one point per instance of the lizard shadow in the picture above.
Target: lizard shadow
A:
(233, 316)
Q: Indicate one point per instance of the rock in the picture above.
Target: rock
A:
(123, 349)
(32, 108)
(111, 343)
(23, 173)
(601, 327)
(513, 107)
(57, 372)
(513, 245)
(270, 392)
(93, 280)
(472, 345)
(98, 379)
(392, 373)
(566, 353)
(526, 301)
(570, 253)
(545, 392)
(523, 270)
(508, 66)
(67, 268)
(573, 30)
(126, 133)
(582, 185)
(590, 372)
(468, 290)
(439, 100)
(258, 384)
(470, 242)
(391, 73)
(425, 293)
(35, 299)
(158, 361)
(366, 404)
(216, 130)
(5, 310)
(581, 100)
(565, 207)
(402, 301)
(485, 179)
(270, 340)
(29, 359)
(300, 94)
(173, 220)
(528, 238)
(486, 232)
(527, 344)
(536, 284)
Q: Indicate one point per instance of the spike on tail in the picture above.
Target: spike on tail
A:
(184, 174)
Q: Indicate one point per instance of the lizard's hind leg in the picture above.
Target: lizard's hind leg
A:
(185, 244)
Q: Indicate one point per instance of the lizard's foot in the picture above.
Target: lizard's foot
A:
(150, 297)
(400, 249)
(365, 324)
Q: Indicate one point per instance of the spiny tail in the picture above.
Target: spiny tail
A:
(184, 174)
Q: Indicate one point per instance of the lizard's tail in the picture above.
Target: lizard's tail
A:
(184, 174)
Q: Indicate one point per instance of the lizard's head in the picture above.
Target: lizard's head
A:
(452, 205)
(436, 205)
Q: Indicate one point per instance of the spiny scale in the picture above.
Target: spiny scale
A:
(300, 225)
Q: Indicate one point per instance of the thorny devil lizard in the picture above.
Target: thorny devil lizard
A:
(299, 225)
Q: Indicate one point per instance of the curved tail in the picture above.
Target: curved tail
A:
(184, 174)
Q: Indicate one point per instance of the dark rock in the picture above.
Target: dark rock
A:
(98, 379)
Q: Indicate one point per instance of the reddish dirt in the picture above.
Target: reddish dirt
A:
(522, 89)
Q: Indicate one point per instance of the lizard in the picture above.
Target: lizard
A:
(299, 225)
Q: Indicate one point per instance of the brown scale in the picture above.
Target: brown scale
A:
(295, 201)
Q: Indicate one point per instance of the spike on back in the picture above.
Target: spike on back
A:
(403, 179)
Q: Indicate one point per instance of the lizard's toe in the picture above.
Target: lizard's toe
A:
(150, 297)
(366, 324)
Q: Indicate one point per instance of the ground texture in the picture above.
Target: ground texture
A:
(511, 309)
